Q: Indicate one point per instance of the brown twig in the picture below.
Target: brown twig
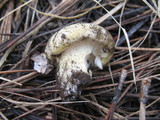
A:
(15, 71)
(143, 98)
(138, 48)
(117, 94)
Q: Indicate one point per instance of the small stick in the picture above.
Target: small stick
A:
(107, 15)
(134, 29)
(117, 95)
(138, 48)
(143, 98)
(16, 71)
(23, 78)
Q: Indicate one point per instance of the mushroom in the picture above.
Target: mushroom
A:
(77, 48)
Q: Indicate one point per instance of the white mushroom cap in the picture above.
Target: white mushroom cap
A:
(76, 47)
(62, 39)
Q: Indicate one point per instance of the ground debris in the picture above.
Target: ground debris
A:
(25, 28)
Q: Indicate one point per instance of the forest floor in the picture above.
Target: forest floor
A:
(126, 89)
